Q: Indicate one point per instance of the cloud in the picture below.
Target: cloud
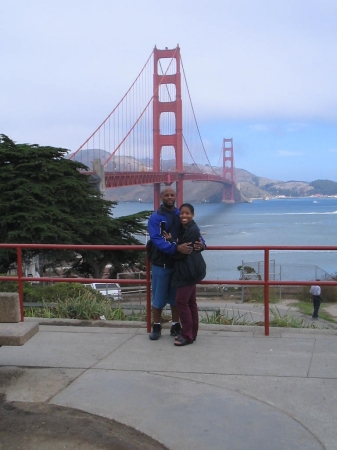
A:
(296, 126)
(259, 127)
(289, 153)
(261, 72)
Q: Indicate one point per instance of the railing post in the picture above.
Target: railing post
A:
(148, 296)
(20, 284)
(266, 292)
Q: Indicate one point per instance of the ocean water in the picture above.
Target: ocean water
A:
(297, 221)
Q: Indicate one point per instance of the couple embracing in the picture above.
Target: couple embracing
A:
(177, 266)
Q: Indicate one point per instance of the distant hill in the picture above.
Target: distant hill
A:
(248, 185)
(253, 186)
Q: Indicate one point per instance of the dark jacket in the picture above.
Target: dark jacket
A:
(188, 269)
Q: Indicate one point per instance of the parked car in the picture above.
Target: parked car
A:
(112, 290)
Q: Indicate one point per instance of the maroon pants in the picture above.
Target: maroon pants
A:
(186, 301)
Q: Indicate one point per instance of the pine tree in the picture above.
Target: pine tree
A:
(46, 199)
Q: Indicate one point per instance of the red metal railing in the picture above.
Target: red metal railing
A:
(266, 283)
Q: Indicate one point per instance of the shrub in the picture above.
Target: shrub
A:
(86, 305)
(8, 286)
(256, 294)
(48, 293)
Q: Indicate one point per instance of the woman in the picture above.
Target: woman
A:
(188, 271)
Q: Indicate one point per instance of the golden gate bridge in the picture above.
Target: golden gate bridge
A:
(152, 135)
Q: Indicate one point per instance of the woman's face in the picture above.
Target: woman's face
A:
(185, 215)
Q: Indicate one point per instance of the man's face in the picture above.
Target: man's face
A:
(168, 197)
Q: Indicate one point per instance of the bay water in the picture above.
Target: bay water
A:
(285, 222)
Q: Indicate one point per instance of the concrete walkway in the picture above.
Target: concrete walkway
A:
(233, 389)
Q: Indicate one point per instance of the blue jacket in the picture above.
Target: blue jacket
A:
(160, 220)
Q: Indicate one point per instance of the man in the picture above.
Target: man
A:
(166, 218)
(315, 292)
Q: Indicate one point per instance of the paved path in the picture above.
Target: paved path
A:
(254, 312)
(250, 313)
(233, 389)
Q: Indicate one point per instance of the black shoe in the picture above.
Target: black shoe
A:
(180, 342)
(175, 329)
(156, 332)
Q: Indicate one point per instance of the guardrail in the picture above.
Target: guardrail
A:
(265, 282)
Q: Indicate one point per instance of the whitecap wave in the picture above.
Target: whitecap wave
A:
(299, 213)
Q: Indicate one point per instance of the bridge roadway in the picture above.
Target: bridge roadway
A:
(233, 389)
(119, 179)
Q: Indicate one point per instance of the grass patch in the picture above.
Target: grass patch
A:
(307, 308)
(85, 306)
(286, 320)
(223, 317)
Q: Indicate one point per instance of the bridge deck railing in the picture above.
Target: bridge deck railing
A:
(265, 281)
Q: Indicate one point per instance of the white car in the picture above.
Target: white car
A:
(112, 290)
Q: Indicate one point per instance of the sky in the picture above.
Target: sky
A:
(262, 72)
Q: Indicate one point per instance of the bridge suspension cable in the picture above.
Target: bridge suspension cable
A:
(196, 122)
(119, 124)
(152, 129)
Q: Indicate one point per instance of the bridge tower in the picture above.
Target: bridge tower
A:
(228, 170)
(175, 106)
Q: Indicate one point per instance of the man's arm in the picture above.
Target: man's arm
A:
(185, 248)
(166, 245)
(199, 245)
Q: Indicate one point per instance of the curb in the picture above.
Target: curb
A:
(257, 330)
